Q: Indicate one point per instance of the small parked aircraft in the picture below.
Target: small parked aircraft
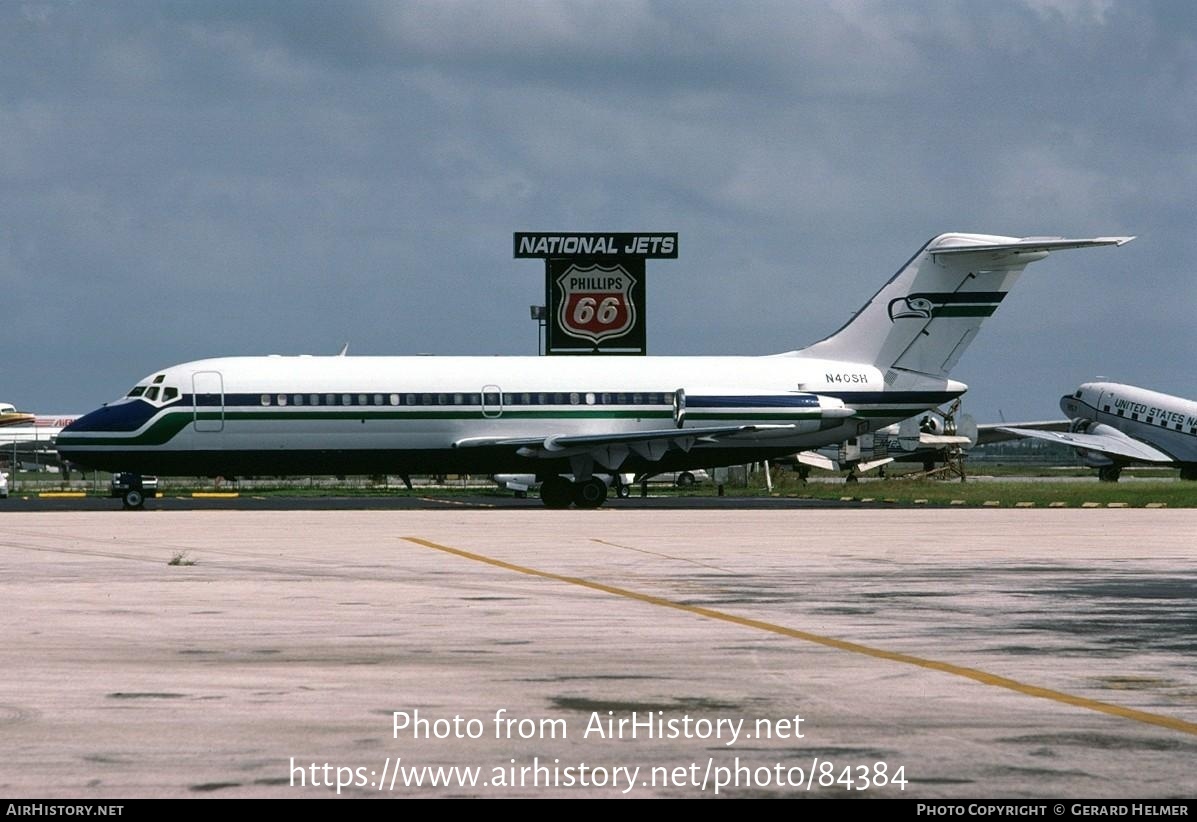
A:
(1113, 425)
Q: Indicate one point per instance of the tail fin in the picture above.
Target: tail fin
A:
(928, 313)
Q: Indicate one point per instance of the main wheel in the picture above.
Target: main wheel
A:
(133, 499)
(684, 479)
(1109, 473)
(590, 493)
(556, 492)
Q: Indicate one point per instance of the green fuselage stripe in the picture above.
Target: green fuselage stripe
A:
(163, 429)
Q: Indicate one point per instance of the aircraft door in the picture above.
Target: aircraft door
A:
(492, 401)
(207, 388)
(679, 407)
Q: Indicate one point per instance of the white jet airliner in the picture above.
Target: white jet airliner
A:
(566, 419)
(1113, 425)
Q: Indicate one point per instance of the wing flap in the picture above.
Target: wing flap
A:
(553, 443)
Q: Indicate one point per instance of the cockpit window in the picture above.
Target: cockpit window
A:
(159, 378)
(136, 391)
(169, 393)
(152, 393)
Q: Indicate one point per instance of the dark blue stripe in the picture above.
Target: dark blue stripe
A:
(961, 297)
(772, 401)
(925, 398)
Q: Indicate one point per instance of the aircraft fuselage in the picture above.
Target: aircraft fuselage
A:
(340, 415)
(1164, 421)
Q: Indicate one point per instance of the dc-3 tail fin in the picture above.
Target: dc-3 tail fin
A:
(928, 313)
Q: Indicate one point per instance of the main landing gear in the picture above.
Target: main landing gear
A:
(559, 492)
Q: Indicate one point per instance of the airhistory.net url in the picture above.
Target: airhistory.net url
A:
(700, 776)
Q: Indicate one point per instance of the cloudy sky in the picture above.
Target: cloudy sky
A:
(189, 179)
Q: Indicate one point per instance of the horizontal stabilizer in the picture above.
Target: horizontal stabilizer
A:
(1026, 245)
(817, 460)
(861, 467)
(943, 441)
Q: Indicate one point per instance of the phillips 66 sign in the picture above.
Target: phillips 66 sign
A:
(596, 307)
(596, 301)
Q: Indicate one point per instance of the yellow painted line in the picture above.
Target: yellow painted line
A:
(839, 644)
(61, 494)
(215, 494)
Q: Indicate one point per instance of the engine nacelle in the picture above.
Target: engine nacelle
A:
(931, 423)
(798, 411)
(1092, 459)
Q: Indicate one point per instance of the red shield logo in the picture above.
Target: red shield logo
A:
(596, 302)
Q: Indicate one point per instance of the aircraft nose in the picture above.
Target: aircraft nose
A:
(120, 416)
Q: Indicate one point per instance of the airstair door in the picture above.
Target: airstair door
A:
(208, 389)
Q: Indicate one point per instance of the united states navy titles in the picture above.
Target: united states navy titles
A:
(1154, 412)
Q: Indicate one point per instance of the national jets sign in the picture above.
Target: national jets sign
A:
(594, 245)
(594, 287)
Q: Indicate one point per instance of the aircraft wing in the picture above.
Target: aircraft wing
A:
(1001, 431)
(1116, 444)
(611, 449)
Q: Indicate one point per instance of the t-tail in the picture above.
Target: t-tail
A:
(923, 319)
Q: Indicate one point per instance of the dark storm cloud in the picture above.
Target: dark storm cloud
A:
(187, 179)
